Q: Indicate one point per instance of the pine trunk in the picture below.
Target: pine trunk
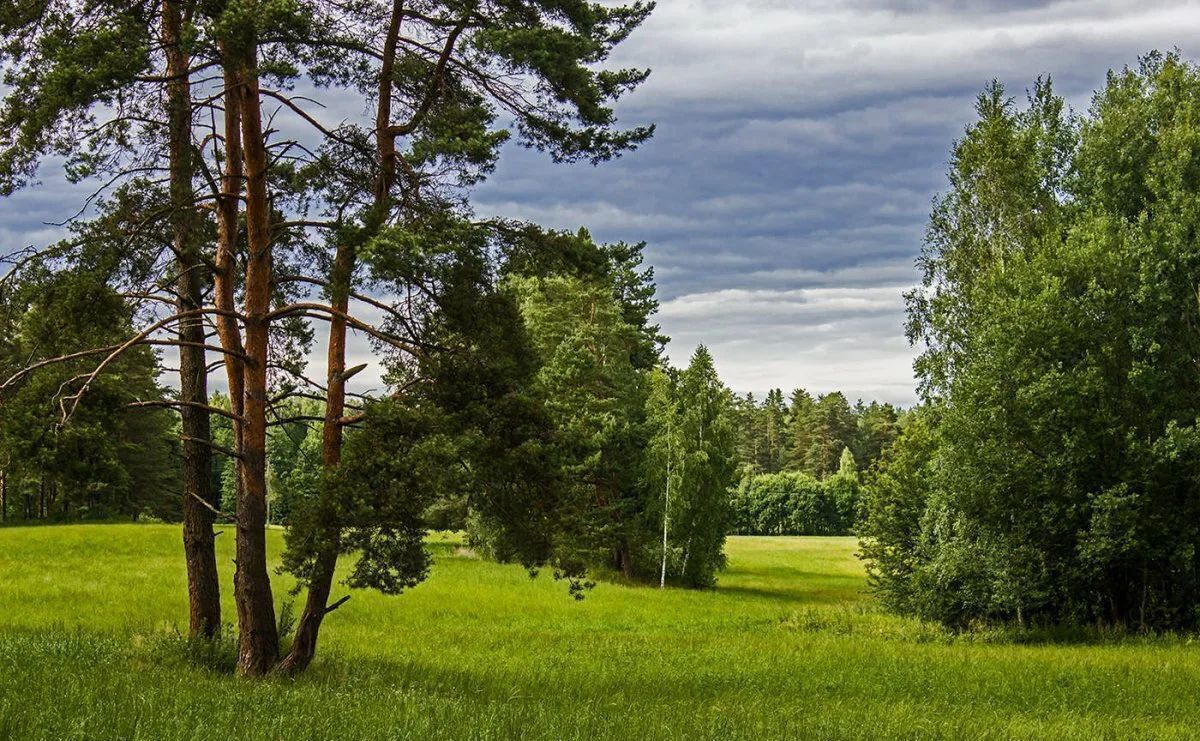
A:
(304, 647)
(224, 276)
(258, 640)
(204, 588)
(316, 606)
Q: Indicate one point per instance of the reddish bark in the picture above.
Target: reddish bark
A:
(258, 640)
(316, 605)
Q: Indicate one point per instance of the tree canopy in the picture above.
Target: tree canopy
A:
(1053, 478)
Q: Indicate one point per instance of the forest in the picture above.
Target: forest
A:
(279, 382)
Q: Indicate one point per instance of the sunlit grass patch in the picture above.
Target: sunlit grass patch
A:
(790, 645)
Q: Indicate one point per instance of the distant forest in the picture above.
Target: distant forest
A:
(801, 460)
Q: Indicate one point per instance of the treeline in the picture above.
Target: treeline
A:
(809, 434)
(800, 460)
(1051, 475)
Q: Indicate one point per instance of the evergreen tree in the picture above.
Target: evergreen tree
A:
(876, 429)
(799, 429)
(596, 397)
(830, 429)
(120, 458)
(772, 421)
(749, 431)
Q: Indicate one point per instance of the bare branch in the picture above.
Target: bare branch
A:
(209, 443)
(169, 404)
(137, 339)
(325, 312)
(312, 121)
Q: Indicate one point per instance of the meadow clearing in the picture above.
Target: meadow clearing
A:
(789, 646)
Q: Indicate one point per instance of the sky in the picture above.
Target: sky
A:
(784, 196)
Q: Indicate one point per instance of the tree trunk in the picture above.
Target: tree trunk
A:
(624, 561)
(3, 496)
(316, 605)
(204, 586)
(662, 580)
(224, 277)
(258, 639)
(304, 647)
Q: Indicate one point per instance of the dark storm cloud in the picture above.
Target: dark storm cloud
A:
(798, 147)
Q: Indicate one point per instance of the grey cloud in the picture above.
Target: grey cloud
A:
(785, 195)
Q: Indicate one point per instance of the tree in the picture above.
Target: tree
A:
(595, 397)
(116, 460)
(799, 429)
(877, 427)
(587, 310)
(65, 62)
(772, 421)
(897, 493)
(830, 429)
(660, 471)
(443, 78)
(702, 514)
(359, 202)
(749, 431)
(1058, 316)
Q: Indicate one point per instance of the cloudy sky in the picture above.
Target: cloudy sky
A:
(799, 144)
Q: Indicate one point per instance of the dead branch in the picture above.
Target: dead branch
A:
(169, 404)
(215, 446)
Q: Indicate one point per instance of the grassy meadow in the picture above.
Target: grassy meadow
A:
(789, 646)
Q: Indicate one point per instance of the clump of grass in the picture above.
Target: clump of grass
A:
(864, 620)
(172, 647)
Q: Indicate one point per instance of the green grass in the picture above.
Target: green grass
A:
(789, 646)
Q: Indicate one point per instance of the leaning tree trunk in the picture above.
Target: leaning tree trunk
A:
(316, 606)
(204, 587)
(258, 639)
(304, 647)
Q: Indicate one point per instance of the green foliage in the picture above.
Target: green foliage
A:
(705, 464)
(110, 460)
(61, 61)
(811, 434)
(1059, 314)
(594, 396)
(795, 503)
(895, 503)
(467, 424)
(293, 458)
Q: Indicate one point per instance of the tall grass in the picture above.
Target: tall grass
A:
(788, 646)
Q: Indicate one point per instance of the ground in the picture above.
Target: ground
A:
(788, 646)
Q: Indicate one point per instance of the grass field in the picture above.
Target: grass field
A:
(788, 646)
